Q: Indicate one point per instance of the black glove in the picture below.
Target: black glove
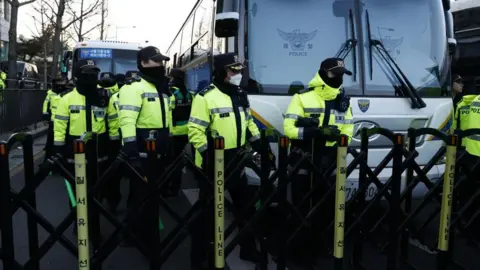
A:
(330, 133)
(58, 151)
(131, 151)
(307, 122)
(46, 117)
(114, 147)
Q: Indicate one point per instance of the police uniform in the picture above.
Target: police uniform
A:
(49, 107)
(222, 108)
(82, 109)
(145, 112)
(321, 111)
(181, 102)
(112, 188)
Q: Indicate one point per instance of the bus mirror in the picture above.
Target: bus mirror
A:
(341, 8)
(446, 4)
(226, 24)
(67, 55)
(452, 45)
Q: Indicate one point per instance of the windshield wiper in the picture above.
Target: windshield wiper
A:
(350, 44)
(407, 88)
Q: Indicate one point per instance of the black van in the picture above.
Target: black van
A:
(27, 75)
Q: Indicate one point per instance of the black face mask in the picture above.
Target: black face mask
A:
(87, 79)
(334, 82)
(156, 73)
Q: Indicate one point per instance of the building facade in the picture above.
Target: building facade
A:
(4, 26)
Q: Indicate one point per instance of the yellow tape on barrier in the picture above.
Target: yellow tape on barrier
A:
(447, 198)
(219, 208)
(82, 212)
(340, 188)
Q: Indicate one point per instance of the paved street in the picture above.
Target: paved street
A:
(52, 202)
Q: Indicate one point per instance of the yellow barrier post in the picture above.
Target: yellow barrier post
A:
(340, 187)
(447, 201)
(219, 194)
(82, 207)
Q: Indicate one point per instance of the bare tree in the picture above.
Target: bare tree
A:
(104, 14)
(58, 10)
(12, 36)
(43, 33)
(81, 18)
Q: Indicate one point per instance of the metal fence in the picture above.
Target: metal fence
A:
(20, 108)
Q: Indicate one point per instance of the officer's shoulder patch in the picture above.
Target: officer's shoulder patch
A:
(66, 92)
(309, 89)
(206, 90)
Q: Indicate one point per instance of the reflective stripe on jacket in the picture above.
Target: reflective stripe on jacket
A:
(143, 109)
(472, 143)
(46, 102)
(71, 114)
(214, 110)
(312, 104)
(460, 119)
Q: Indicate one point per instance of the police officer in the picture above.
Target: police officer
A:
(323, 110)
(457, 89)
(112, 188)
(108, 82)
(181, 100)
(81, 109)
(144, 109)
(58, 86)
(120, 78)
(131, 76)
(222, 107)
(462, 110)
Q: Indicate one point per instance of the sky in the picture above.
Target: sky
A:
(157, 21)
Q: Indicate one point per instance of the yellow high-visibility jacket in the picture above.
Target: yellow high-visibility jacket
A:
(223, 116)
(311, 104)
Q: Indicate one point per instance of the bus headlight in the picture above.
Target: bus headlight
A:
(442, 160)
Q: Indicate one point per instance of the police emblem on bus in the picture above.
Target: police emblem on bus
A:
(90, 63)
(297, 41)
(363, 104)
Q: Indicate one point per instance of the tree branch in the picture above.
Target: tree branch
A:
(9, 1)
(26, 3)
(51, 8)
(85, 14)
(91, 29)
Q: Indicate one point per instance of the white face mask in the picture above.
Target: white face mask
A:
(235, 79)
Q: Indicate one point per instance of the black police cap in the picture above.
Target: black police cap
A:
(227, 60)
(335, 65)
(151, 53)
(120, 77)
(107, 79)
(131, 74)
(86, 66)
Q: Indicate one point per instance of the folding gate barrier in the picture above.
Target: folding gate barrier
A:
(398, 218)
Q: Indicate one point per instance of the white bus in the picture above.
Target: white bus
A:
(283, 42)
(466, 15)
(110, 56)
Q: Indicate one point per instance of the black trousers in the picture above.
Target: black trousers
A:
(468, 189)
(176, 148)
(111, 191)
(202, 228)
(303, 183)
(146, 226)
(49, 143)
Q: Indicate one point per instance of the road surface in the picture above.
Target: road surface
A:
(52, 202)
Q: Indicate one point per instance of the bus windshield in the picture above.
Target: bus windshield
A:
(111, 60)
(288, 39)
